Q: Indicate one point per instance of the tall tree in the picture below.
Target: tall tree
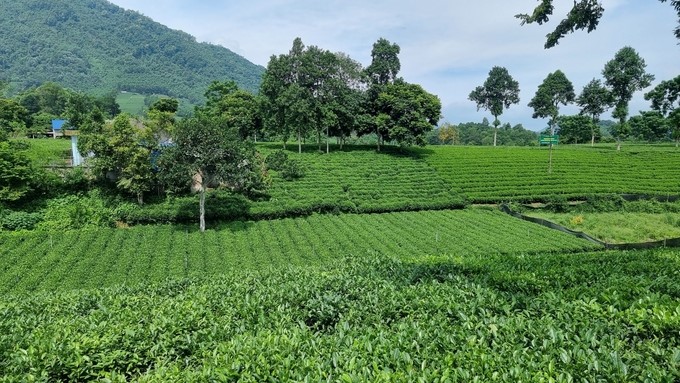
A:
(240, 108)
(499, 91)
(584, 14)
(274, 110)
(160, 120)
(287, 94)
(556, 89)
(665, 98)
(122, 152)
(347, 94)
(624, 75)
(382, 71)
(208, 149)
(594, 100)
(408, 112)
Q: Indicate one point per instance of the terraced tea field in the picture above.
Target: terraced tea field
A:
(359, 180)
(106, 257)
(487, 174)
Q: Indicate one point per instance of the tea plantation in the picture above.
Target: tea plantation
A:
(402, 282)
(487, 174)
(107, 257)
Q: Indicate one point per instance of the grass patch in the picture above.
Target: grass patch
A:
(48, 151)
(132, 103)
(621, 227)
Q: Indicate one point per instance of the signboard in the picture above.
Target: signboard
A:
(547, 139)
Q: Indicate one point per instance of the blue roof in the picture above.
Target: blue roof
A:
(58, 124)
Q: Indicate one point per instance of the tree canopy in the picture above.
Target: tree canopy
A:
(594, 100)
(555, 89)
(624, 75)
(209, 151)
(499, 91)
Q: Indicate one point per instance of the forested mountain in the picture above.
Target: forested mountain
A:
(96, 47)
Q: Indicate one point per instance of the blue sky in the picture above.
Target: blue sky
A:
(446, 46)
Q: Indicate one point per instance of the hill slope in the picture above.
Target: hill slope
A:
(97, 47)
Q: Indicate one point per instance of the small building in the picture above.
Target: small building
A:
(58, 130)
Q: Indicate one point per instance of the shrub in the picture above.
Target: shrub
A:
(277, 160)
(19, 220)
(557, 204)
(292, 170)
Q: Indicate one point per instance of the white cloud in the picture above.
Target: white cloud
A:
(447, 46)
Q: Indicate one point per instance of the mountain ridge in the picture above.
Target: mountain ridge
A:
(97, 47)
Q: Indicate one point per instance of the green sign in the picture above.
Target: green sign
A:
(547, 139)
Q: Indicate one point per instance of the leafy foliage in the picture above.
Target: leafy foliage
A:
(489, 317)
(577, 129)
(584, 14)
(18, 176)
(210, 152)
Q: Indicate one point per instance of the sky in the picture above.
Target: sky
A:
(447, 46)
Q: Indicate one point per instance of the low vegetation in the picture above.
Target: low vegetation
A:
(607, 316)
(619, 227)
(95, 257)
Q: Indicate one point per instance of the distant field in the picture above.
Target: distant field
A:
(357, 180)
(132, 103)
(487, 174)
(106, 257)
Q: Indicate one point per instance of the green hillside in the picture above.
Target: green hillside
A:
(95, 46)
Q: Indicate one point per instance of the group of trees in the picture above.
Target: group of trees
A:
(169, 155)
(31, 112)
(623, 76)
(481, 133)
(311, 91)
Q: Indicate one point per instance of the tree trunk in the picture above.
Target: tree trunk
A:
(299, 141)
(318, 138)
(201, 207)
(618, 145)
(140, 198)
(327, 138)
(378, 141)
(592, 140)
(495, 129)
